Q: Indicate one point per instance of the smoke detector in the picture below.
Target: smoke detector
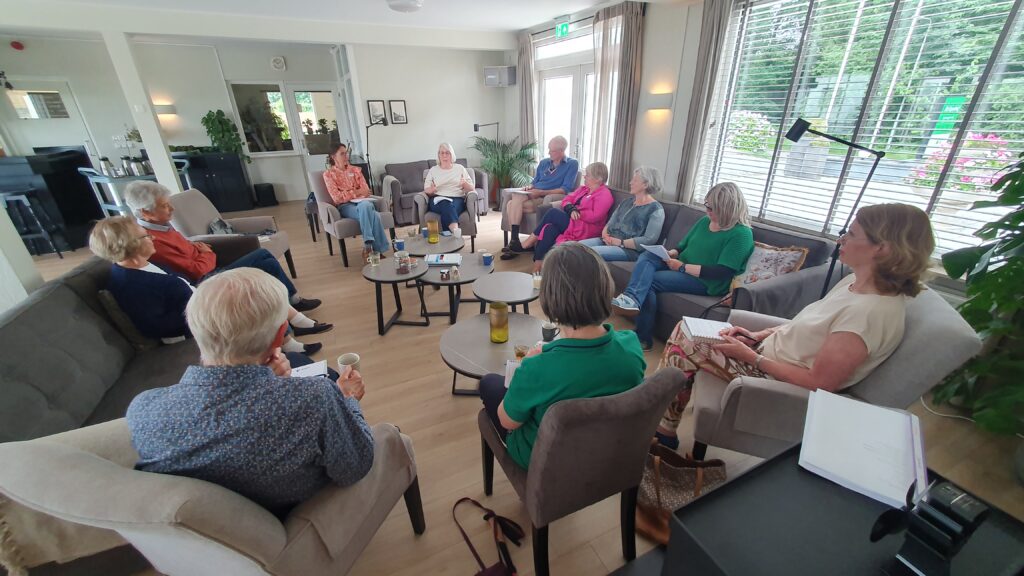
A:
(405, 5)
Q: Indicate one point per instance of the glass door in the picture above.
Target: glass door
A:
(314, 108)
(566, 108)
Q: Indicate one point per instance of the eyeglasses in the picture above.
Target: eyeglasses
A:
(707, 206)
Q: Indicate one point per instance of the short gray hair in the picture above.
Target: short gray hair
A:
(652, 179)
(597, 170)
(451, 151)
(729, 205)
(235, 315)
(115, 238)
(576, 288)
(559, 142)
(142, 195)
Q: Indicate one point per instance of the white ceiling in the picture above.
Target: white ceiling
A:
(503, 15)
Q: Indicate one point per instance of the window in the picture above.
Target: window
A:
(908, 78)
(264, 121)
(565, 88)
(37, 104)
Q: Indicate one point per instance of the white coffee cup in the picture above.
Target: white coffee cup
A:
(346, 360)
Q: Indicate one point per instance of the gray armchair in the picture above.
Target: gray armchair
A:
(530, 219)
(467, 220)
(193, 214)
(568, 472)
(82, 482)
(762, 416)
(404, 180)
(341, 228)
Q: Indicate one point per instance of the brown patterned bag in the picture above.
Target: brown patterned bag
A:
(670, 482)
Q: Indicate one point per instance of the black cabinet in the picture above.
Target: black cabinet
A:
(222, 178)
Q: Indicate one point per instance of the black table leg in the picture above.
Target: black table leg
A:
(383, 327)
(463, 391)
(526, 307)
(380, 309)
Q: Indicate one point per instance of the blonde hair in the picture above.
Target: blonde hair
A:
(727, 202)
(451, 151)
(235, 315)
(115, 238)
(598, 170)
(907, 232)
(142, 195)
(576, 288)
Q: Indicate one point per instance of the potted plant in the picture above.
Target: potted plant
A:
(505, 161)
(990, 386)
(223, 133)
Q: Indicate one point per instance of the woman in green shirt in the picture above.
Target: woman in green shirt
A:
(591, 359)
(714, 250)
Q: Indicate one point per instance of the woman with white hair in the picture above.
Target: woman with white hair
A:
(715, 249)
(635, 222)
(446, 185)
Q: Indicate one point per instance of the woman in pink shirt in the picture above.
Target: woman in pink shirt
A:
(583, 215)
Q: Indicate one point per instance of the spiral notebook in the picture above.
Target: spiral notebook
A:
(702, 330)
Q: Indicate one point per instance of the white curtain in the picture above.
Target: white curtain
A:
(618, 55)
(527, 105)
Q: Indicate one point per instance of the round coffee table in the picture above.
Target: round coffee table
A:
(467, 349)
(385, 273)
(511, 288)
(418, 245)
(470, 270)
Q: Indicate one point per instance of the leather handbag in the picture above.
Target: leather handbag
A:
(670, 482)
(502, 528)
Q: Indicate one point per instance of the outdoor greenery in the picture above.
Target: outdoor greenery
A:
(223, 133)
(980, 159)
(990, 386)
(750, 132)
(506, 161)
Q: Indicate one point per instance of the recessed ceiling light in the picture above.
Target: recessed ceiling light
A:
(405, 5)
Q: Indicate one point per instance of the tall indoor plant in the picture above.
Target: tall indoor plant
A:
(506, 161)
(223, 133)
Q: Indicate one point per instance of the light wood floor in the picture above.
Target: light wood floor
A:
(408, 384)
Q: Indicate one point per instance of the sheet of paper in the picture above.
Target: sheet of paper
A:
(310, 370)
(510, 370)
(439, 199)
(358, 200)
(517, 190)
(658, 250)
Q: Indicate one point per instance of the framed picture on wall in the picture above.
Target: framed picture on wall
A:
(376, 110)
(398, 114)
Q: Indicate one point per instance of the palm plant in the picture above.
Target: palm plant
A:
(506, 161)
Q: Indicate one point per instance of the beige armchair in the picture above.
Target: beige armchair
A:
(467, 219)
(82, 485)
(341, 228)
(193, 214)
(762, 416)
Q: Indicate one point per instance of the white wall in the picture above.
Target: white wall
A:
(18, 275)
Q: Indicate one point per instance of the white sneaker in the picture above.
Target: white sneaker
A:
(625, 305)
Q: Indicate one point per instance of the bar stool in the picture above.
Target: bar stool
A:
(19, 205)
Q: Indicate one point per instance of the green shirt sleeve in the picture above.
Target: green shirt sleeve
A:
(737, 249)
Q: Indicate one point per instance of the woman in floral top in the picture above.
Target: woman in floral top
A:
(348, 189)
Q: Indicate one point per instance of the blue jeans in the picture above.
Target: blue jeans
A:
(448, 211)
(610, 253)
(263, 260)
(651, 276)
(369, 224)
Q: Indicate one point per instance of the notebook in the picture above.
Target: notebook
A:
(310, 370)
(443, 259)
(701, 330)
(869, 449)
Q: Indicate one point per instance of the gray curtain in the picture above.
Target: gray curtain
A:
(713, 35)
(524, 77)
(618, 55)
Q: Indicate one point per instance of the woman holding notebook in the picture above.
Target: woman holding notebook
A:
(836, 341)
(714, 250)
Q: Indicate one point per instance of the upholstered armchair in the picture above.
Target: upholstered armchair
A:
(530, 219)
(341, 228)
(762, 416)
(402, 181)
(467, 219)
(78, 492)
(193, 214)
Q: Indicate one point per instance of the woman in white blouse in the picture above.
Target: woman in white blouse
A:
(446, 185)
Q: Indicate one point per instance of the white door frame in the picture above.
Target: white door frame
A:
(90, 146)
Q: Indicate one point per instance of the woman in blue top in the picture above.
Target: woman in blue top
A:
(714, 250)
(636, 221)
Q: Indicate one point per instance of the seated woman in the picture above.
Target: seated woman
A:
(590, 360)
(583, 215)
(155, 300)
(446, 185)
(837, 341)
(636, 221)
(346, 185)
(714, 250)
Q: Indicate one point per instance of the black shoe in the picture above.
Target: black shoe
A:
(305, 305)
(508, 255)
(310, 349)
(316, 328)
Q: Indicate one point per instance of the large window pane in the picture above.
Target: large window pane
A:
(318, 118)
(264, 122)
(557, 108)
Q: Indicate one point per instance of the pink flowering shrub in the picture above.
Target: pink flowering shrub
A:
(980, 159)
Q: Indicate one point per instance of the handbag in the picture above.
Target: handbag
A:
(670, 482)
(502, 528)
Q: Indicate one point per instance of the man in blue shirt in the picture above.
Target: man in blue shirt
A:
(239, 419)
(556, 174)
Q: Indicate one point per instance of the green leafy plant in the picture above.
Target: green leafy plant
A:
(223, 133)
(990, 385)
(750, 131)
(506, 161)
(321, 126)
(308, 123)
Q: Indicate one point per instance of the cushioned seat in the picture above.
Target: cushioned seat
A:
(339, 227)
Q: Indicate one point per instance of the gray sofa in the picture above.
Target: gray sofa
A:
(403, 181)
(782, 296)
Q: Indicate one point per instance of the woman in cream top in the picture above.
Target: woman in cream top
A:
(446, 185)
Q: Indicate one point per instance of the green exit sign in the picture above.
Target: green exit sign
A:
(561, 30)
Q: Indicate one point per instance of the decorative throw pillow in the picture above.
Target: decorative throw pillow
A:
(219, 226)
(124, 324)
(768, 262)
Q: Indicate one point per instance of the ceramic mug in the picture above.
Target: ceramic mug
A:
(549, 330)
(346, 360)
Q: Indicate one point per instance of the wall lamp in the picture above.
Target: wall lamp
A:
(165, 109)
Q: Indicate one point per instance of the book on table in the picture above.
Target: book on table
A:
(872, 450)
(443, 259)
(703, 330)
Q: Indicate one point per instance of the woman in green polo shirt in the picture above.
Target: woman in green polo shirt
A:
(591, 359)
(714, 250)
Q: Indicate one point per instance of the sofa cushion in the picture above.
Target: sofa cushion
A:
(686, 217)
(818, 249)
(770, 261)
(124, 324)
(60, 358)
(408, 174)
(87, 279)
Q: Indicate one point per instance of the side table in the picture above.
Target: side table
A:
(386, 274)
(512, 288)
(470, 270)
(467, 349)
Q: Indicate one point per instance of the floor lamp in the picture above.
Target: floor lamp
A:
(795, 133)
(382, 122)
(497, 128)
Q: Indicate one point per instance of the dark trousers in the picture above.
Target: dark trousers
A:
(448, 211)
(554, 223)
(492, 392)
(264, 260)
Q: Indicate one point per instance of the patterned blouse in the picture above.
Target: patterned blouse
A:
(276, 441)
(343, 184)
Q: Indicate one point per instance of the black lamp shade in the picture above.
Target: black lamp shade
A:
(798, 129)
(476, 127)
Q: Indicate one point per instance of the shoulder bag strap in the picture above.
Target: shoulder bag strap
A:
(464, 536)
